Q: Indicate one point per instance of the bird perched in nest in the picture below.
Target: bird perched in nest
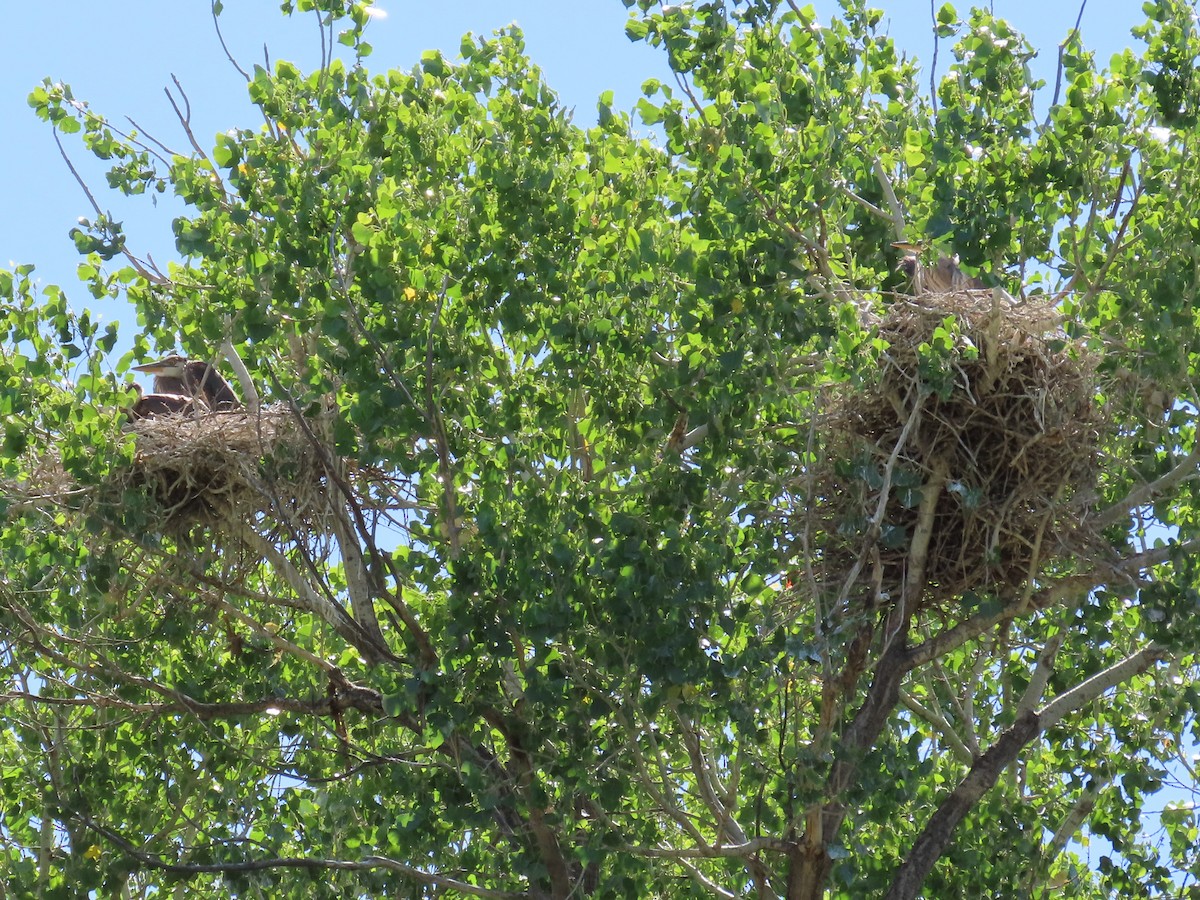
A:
(942, 277)
(151, 406)
(193, 379)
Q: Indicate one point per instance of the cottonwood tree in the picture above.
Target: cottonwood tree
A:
(627, 528)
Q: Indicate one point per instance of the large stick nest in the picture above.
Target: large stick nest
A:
(223, 468)
(994, 395)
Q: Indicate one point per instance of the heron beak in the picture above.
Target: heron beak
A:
(162, 367)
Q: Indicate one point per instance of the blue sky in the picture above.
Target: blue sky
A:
(120, 56)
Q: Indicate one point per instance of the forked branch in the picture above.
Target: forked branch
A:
(1030, 725)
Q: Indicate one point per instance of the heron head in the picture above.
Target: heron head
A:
(171, 366)
(909, 264)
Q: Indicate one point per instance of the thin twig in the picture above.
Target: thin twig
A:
(1059, 69)
(1117, 246)
(220, 37)
(441, 442)
(933, 67)
(943, 728)
(185, 120)
(137, 264)
(310, 863)
(157, 143)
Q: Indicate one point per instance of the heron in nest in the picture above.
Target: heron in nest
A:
(940, 278)
(153, 406)
(194, 379)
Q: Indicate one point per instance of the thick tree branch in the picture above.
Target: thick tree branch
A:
(811, 862)
(898, 224)
(245, 382)
(1080, 810)
(1187, 468)
(1072, 590)
(545, 836)
(359, 698)
(1042, 671)
(939, 831)
(329, 611)
(358, 581)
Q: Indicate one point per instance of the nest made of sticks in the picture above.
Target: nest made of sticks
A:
(989, 403)
(221, 468)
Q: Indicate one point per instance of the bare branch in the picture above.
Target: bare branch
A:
(705, 780)
(1071, 591)
(705, 882)
(866, 204)
(220, 37)
(185, 120)
(1069, 701)
(1058, 74)
(328, 610)
(278, 642)
(1042, 670)
(1079, 812)
(249, 391)
(140, 267)
(944, 729)
(718, 801)
(898, 225)
(358, 583)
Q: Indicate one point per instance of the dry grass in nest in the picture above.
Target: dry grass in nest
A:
(223, 468)
(994, 396)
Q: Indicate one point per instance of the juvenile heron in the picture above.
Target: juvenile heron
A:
(943, 276)
(193, 379)
(152, 406)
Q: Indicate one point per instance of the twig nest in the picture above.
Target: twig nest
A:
(223, 467)
(994, 395)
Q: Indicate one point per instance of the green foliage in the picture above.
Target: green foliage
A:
(571, 378)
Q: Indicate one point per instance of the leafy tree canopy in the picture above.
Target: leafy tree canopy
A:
(582, 568)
